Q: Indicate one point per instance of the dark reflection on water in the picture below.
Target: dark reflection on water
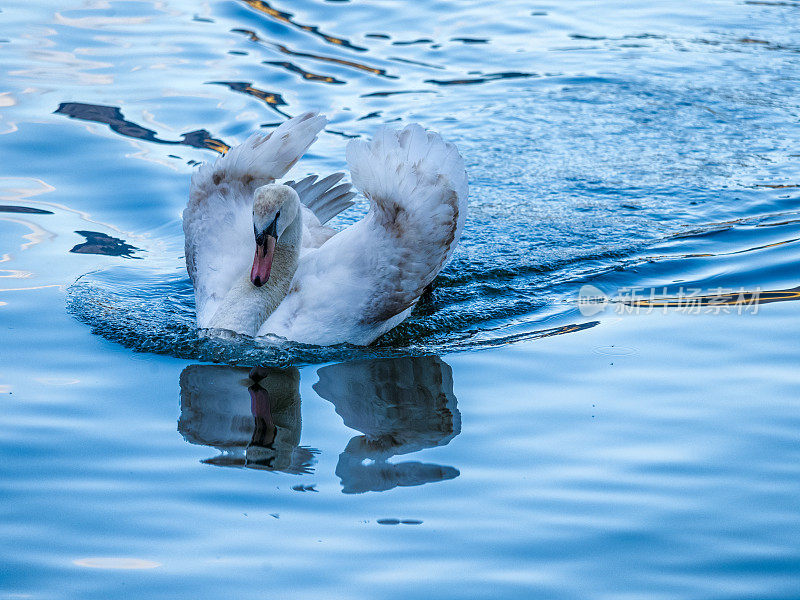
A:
(412, 42)
(253, 418)
(282, 48)
(482, 79)
(307, 75)
(102, 243)
(387, 94)
(113, 117)
(271, 99)
(470, 40)
(24, 209)
(286, 17)
(339, 61)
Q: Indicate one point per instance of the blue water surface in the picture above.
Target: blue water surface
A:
(511, 439)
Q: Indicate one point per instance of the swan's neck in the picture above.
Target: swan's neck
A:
(246, 307)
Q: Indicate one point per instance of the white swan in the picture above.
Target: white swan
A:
(263, 262)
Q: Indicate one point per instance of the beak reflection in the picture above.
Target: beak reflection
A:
(253, 424)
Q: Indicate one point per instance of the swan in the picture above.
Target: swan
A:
(263, 261)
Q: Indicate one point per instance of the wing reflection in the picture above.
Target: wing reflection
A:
(401, 405)
(254, 425)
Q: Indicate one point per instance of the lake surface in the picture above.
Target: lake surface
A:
(597, 399)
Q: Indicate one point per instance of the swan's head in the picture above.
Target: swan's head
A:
(275, 206)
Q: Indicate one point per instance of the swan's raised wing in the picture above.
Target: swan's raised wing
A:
(362, 281)
(218, 221)
(417, 187)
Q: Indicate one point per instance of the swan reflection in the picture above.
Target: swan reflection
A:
(400, 405)
(251, 417)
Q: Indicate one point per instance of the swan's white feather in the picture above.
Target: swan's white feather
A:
(218, 222)
(324, 198)
(366, 279)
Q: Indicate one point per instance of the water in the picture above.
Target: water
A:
(506, 441)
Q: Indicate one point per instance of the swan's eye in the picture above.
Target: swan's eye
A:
(272, 228)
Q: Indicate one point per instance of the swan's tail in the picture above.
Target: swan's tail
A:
(324, 197)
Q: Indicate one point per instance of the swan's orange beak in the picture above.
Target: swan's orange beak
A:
(262, 262)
